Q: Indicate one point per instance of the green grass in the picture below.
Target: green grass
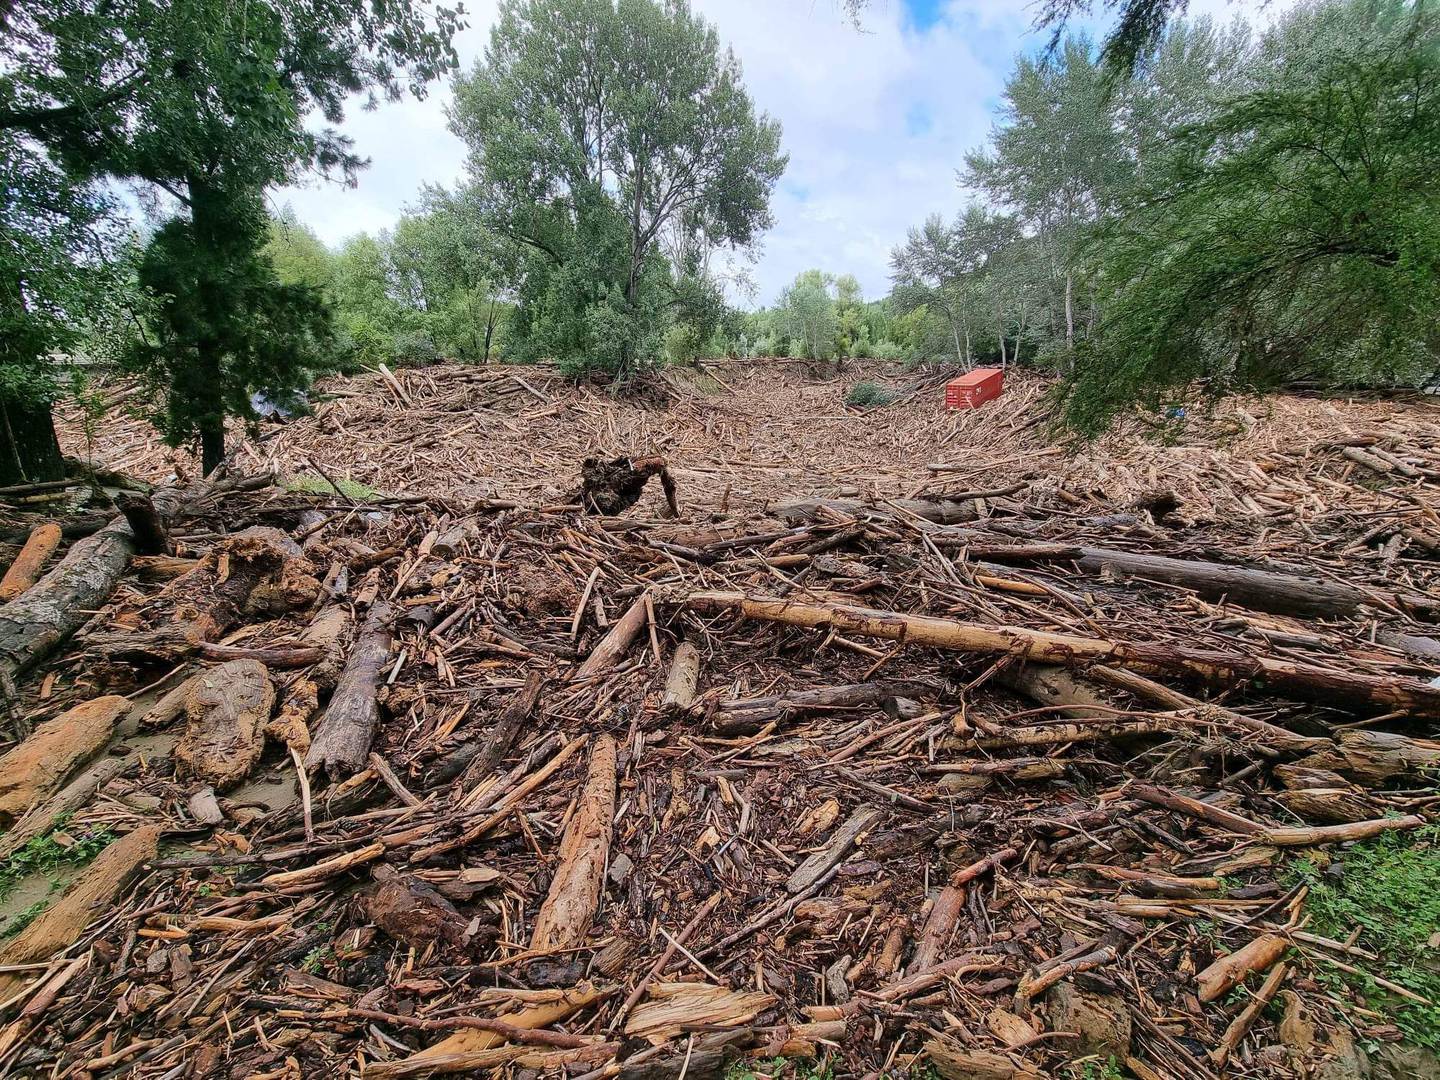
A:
(1095, 1069)
(779, 1069)
(22, 919)
(45, 855)
(1390, 890)
(307, 484)
(868, 394)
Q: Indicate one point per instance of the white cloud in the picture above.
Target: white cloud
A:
(876, 123)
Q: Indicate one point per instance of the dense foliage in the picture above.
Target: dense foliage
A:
(613, 143)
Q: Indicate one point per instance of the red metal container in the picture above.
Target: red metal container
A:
(974, 388)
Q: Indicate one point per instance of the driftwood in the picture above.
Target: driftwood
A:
(946, 908)
(564, 918)
(1302, 680)
(64, 921)
(226, 713)
(738, 716)
(616, 641)
(479, 758)
(25, 570)
(341, 741)
(828, 857)
(43, 817)
(682, 680)
(152, 537)
(35, 769)
(1229, 971)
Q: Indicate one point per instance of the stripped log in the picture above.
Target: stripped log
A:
(616, 641)
(88, 896)
(25, 570)
(737, 716)
(1226, 669)
(574, 897)
(341, 740)
(682, 680)
(828, 857)
(34, 770)
(1230, 971)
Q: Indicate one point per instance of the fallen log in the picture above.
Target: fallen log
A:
(226, 713)
(478, 759)
(682, 680)
(341, 740)
(828, 857)
(946, 907)
(34, 770)
(146, 523)
(62, 924)
(1226, 669)
(739, 716)
(564, 918)
(1229, 971)
(24, 571)
(615, 642)
(1262, 590)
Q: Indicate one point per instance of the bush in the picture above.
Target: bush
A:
(416, 348)
(870, 395)
(887, 350)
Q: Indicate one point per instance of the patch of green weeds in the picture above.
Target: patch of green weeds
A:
(317, 958)
(1095, 1069)
(869, 394)
(780, 1069)
(46, 854)
(353, 490)
(1388, 888)
(22, 919)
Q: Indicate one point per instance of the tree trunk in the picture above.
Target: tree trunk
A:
(212, 444)
(29, 451)
(1069, 312)
(490, 320)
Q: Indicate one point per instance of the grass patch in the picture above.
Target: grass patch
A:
(779, 1069)
(868, 394)
(1389, 888)
(46, 854)
(353, 490)
(22, 919)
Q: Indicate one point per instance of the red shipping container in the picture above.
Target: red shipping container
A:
(974, 388)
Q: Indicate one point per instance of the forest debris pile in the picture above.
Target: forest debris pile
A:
(907, 784)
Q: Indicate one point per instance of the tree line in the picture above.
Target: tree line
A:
(1240, 210)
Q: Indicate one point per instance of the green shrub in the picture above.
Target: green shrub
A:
(870, 395)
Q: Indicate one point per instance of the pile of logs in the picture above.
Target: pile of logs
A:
(902, 786)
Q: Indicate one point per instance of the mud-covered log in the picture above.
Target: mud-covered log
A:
(570, 905)
(225, 718)
(152, 537)
(1305, 681)
(681, 680)
(474, 761)
(612, 487)
(25, 570)
(341, 741)
(34, 770)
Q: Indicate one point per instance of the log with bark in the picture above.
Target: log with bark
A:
(340, 743)
(1304, 681)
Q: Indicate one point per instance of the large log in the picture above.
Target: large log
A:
(574, 896)
(1227, 669)
(35, 769)
(1262, 590)
(341, 740)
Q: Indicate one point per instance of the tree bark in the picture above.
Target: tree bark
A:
(341, 743)
(35, 769)
(1304, 681)
(26, 568)
(29, 450)
(564, 918)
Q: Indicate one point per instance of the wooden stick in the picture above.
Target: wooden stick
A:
(564, 918)
(615, 642)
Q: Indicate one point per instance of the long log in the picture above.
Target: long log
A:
(1225, 669)
(570, 905)
(34, 770)
(341, 741)
(1261, 590)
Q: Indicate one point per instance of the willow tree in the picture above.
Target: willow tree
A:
(594, 127)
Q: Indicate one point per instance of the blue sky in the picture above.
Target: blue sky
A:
(876, 122)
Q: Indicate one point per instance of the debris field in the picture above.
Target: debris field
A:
(917, 743)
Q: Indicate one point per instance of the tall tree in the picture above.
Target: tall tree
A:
(808, 314)
(210, 103)
(1291, 232)
(595, 126)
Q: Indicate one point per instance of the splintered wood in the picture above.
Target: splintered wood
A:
(916, 743)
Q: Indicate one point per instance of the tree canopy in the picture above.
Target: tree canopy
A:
(598, 130)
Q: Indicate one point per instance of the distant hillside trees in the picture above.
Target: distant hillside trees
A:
(598, 129)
